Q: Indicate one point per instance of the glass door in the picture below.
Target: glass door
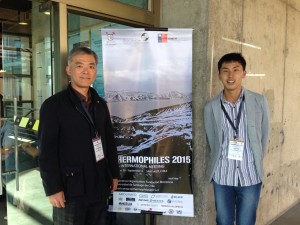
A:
(26, 81)
(86, 31)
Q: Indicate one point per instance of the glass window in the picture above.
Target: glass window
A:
(26, 77)
(16, 66)
(138, 3)
(86, 31)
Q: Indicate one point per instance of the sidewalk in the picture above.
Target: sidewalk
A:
(291, 217)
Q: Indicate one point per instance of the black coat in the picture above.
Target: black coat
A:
(67, 158)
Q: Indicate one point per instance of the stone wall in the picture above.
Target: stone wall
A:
(267, 33)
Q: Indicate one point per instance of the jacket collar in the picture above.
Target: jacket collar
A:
(216, 107)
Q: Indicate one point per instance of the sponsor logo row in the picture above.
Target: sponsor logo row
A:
(150, 200)
(137, 210)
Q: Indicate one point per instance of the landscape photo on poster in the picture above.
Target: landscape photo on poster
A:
(163, 129)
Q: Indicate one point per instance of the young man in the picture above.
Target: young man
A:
(78, 156)
(237, 127)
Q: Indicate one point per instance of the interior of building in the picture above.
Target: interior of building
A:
(27, 61)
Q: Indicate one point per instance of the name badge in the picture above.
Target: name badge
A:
(98, 149)
(236, 149)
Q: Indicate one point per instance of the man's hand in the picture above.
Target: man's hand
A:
(114, 185)
(58, 200)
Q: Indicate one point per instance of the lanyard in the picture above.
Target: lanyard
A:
(236, 128)
(88, 117)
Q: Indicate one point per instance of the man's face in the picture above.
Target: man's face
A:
(82, 70)
(231, 75)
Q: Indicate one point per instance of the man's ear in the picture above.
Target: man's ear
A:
(219, 76)
(68, 70)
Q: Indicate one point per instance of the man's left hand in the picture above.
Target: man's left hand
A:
(114, 185)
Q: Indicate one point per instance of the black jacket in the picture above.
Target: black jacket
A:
(67, 158)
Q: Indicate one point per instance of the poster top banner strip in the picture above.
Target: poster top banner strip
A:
(162, 29)
(156, 29)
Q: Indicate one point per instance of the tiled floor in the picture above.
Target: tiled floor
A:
(28, 204)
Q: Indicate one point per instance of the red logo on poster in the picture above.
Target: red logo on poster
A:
(162, 38)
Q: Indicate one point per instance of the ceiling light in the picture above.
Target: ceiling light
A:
(23, 23)
(22, 18)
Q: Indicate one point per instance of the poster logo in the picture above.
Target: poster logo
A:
(144, 37)
(162, 38)
(171, 211)
(110, 36)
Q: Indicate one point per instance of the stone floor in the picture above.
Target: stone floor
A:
(291, 217)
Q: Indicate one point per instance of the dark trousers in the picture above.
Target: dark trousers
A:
(80, 213)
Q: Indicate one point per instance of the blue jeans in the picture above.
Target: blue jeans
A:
(238, 201)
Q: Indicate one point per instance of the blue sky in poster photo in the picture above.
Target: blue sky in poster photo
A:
(134, 63)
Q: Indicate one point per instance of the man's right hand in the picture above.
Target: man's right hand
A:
(58, 200)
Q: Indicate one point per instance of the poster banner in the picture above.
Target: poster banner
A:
(148, 89)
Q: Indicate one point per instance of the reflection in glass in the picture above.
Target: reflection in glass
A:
(86, 31)
(143, 4)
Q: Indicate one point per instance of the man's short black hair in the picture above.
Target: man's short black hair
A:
(232, 57)
(81, 50)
